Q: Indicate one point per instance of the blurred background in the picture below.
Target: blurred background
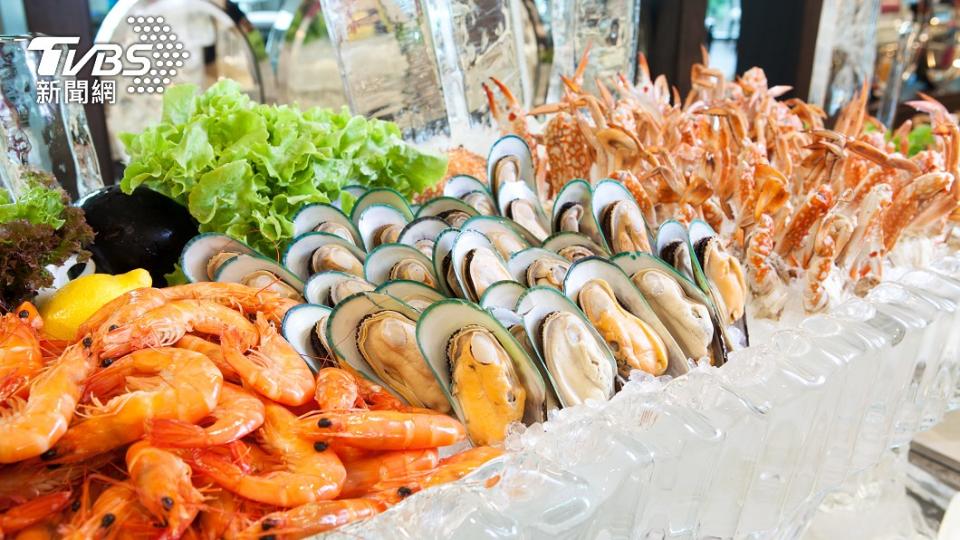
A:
(421, 63)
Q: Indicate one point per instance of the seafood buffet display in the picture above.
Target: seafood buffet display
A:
(390, 346)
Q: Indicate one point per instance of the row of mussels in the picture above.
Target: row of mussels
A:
(479, 304)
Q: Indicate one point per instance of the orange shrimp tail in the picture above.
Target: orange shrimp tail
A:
(32, 512)
(176, 434)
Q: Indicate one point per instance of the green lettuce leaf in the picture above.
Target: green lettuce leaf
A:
(245, 169)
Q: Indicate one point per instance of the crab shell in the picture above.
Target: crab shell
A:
(491, 380)
(578, 364)
(375, 335)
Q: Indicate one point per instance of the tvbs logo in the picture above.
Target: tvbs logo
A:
(152, 60)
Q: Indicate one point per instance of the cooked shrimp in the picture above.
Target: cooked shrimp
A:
(237, 414)
(451, 469)
(167, 324)
(124, 308)
(221, 516)
(21, 358)
(340, 390)
(383, 430)
(274, 369)
(31, 512)
(303, 472)
(316, 517)
(363, 474)
(212, 351)
(29, 428)
(148, 384)
(112, 508)
(163, 484)
(248, 299)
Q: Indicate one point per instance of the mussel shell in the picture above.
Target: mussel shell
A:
(416, 294)
(298, 327)
(634, 264)
(521, 205)
(627, 295)
(381, 197)
(238, 269)
(382, 264)
(511, 146)
(704, 240)
(380, 224)
(476, 264)
(506, 236)
(673, 246)
(311, 216)
(453, 211)
(577, 193)
(299, 255)
(502, 295)
(538, 260)
(200, 249)
(443, 263)
(543, 306)
(444, 319)
(423, 232)
(325, 287)
(605, 194)
(563, 242)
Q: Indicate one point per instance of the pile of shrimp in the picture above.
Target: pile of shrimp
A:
(182, 413)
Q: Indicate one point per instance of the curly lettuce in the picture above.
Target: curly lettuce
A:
(39, 229)
(244, 169)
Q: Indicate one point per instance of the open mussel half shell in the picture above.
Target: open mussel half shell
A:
(620, 218)
(618, 311)
(574, 246)
(473, 192)
(305, 327)
(510, 161)
(686, 312)
(422, 233)
(573, 211)
(673, 246)
(399, 261)
(261, 273)
(316, 252)
(204, 254)
(519, 203)
(504, 234)
(381, 224)
(538, 266)
(502, 295)
(375, 334)
(577, 361)
(326, 218)
(381, 197)
(452, 211)
(476, 264)
(491, 380)
(443, 263)
(414, 293)
(330, 287)
(721, 276)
